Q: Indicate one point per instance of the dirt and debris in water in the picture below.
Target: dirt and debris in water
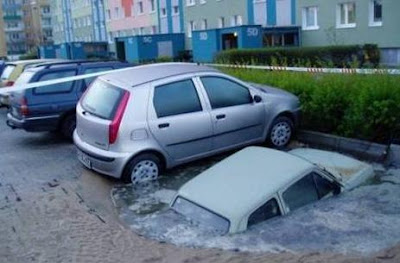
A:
(359, 222)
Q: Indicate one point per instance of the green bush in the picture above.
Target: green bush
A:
(359, 106)
(332, 56)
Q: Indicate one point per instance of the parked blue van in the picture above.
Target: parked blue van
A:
(52, 108)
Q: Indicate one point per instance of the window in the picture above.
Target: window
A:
(204, 24)
(56, 88)
(190, 2)
(301, 193)
(346, 15)
(268, 210)
(140, 7)
(236, 20)
(202, 2)
(152, 5)
(176, 98)
(325, 187)
(221, 22)
(86, 82)
(175, 10)
(191, 28)
(375, 13)
(225, 93)
(310, 18)
(203, 216)
(163, 11)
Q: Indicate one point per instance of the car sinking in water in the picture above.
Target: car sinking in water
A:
(257, 184)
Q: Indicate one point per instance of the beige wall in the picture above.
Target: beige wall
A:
(3, 49)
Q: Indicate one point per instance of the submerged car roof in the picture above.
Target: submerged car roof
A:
(147, 73)
(243, 181)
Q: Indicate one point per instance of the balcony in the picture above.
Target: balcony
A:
(15, 17)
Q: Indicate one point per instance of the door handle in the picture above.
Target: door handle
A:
(220, 116)
(163, 125)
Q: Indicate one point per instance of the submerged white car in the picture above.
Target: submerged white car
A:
(256, 184)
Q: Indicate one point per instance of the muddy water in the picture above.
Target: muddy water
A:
(362, 221)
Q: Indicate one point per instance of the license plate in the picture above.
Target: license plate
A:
(85, 159)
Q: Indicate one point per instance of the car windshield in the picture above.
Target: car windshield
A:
(24, 78)
(7, 72)
(201, 215)
(102, 99)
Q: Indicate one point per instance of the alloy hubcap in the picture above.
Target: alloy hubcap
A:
(144, 171)
(281, 133)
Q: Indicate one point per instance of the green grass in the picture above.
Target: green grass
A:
(359, 106)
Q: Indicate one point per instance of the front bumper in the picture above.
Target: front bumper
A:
(33, 124)
(102, 161)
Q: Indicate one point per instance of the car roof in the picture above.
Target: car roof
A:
(72, 63)
(245, 180)
(27, 62)
(147, 73)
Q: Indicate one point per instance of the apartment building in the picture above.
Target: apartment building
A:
(14, 28)
(3, 47)
(38, 26)
(347, 22)
(79, 21)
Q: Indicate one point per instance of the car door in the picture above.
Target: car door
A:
(178, 119)
(236, 118)
(308, 189)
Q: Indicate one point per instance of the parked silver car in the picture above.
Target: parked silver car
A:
(135, 123)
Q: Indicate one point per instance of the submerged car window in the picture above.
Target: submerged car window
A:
(86, 82)
(7, 72)
(201, 215)
(325, 187)
(25, 77)
(268, 210)
(225, 93)
(176, 98)
(301, 193)
(102, 99)
(56, 88)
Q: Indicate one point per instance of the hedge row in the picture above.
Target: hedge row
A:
(333, 56)
(358, 106)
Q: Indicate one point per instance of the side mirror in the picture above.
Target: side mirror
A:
(257, 99)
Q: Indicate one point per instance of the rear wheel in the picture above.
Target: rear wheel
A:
(68, 126)
(281, 132)
(143, 168)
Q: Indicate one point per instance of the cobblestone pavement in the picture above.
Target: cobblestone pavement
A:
(53, 210)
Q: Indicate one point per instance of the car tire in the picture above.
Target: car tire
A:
(281, 132)
(68, 126)
(142, 168)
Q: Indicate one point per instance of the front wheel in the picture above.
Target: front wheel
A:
(281, 132)
(144, 167)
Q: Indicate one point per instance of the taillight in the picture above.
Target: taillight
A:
(24, 107)
(9, 83)
(116, 122)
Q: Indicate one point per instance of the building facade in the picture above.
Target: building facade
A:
(79, 21)
(348, 22)
(3, 47)
(14, 28)
(38, 26)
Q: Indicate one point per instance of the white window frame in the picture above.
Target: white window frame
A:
(163, 14)
(204, 24)
(346, 13)
(190, 2)
(152, 6)
(372, 21)
(191, 27)
(173, 10)
(140, 8)
(202, 2)
(221, 22)
(305, 11)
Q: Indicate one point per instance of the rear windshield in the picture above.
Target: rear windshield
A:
(102, 99)
(7, 72)
(25, 77)
(201, 215)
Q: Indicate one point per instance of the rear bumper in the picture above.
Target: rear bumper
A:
(34, 124)
(102, 161)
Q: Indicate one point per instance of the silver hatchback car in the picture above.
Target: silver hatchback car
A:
(135, 123)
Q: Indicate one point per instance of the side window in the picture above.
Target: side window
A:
(325, 187)
(56, 88)
(268, 210)
(176, 98)
(88, 81)
(301, 193)
(224, 93)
